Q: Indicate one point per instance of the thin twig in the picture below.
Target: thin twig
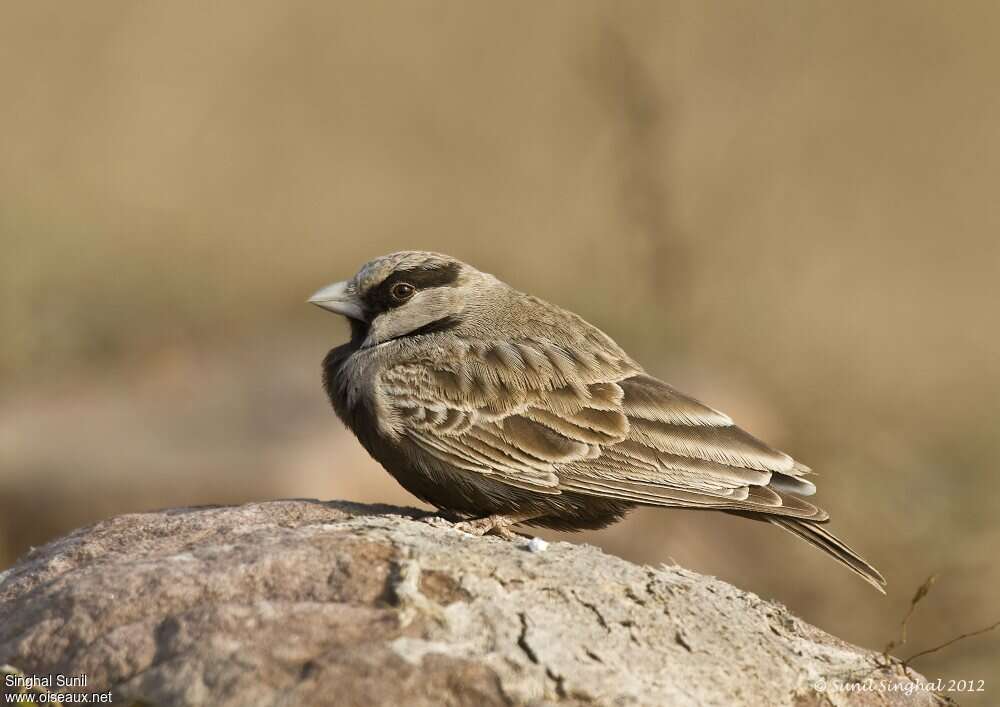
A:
(918, 596)
(935, 649)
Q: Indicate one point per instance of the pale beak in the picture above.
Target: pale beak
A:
(337, 298)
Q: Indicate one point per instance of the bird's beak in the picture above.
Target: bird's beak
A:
(337, 298)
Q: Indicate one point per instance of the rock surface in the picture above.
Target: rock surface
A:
(308, 603)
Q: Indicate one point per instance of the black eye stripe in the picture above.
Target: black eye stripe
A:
(380, 298)
(422, 278)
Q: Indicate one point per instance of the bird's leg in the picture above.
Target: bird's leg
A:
(497, 524)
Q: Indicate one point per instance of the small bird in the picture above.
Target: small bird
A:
(499, 408)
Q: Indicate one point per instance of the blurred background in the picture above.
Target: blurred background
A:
(788, 209)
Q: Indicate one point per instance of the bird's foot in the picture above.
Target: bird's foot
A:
(498, 524)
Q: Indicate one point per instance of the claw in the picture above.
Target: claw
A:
(499, 525)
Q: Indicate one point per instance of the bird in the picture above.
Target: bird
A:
(500, 409)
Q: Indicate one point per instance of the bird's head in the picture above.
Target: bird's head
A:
(404, 293)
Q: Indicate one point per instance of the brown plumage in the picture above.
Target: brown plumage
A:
(498, 406)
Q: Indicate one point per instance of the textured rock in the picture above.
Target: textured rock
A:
(303, 602)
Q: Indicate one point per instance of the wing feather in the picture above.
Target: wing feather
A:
(651, 399)
(727, 445)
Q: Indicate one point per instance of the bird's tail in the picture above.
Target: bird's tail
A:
(815, 534)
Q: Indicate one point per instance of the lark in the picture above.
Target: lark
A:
(500, 409)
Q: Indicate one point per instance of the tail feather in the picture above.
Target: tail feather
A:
(817, 535)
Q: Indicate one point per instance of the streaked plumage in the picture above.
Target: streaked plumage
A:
(496, 405)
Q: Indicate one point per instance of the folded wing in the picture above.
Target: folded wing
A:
(549, 418)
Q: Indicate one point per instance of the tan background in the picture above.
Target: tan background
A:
(787, 208)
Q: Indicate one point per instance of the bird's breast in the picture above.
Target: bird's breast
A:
(350, 377)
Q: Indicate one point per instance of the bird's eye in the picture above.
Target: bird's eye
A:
(402, 291)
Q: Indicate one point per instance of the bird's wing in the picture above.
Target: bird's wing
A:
(553, 418)
(680, 452)
(514, 411)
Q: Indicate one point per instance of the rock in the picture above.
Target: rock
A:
(307, 603)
